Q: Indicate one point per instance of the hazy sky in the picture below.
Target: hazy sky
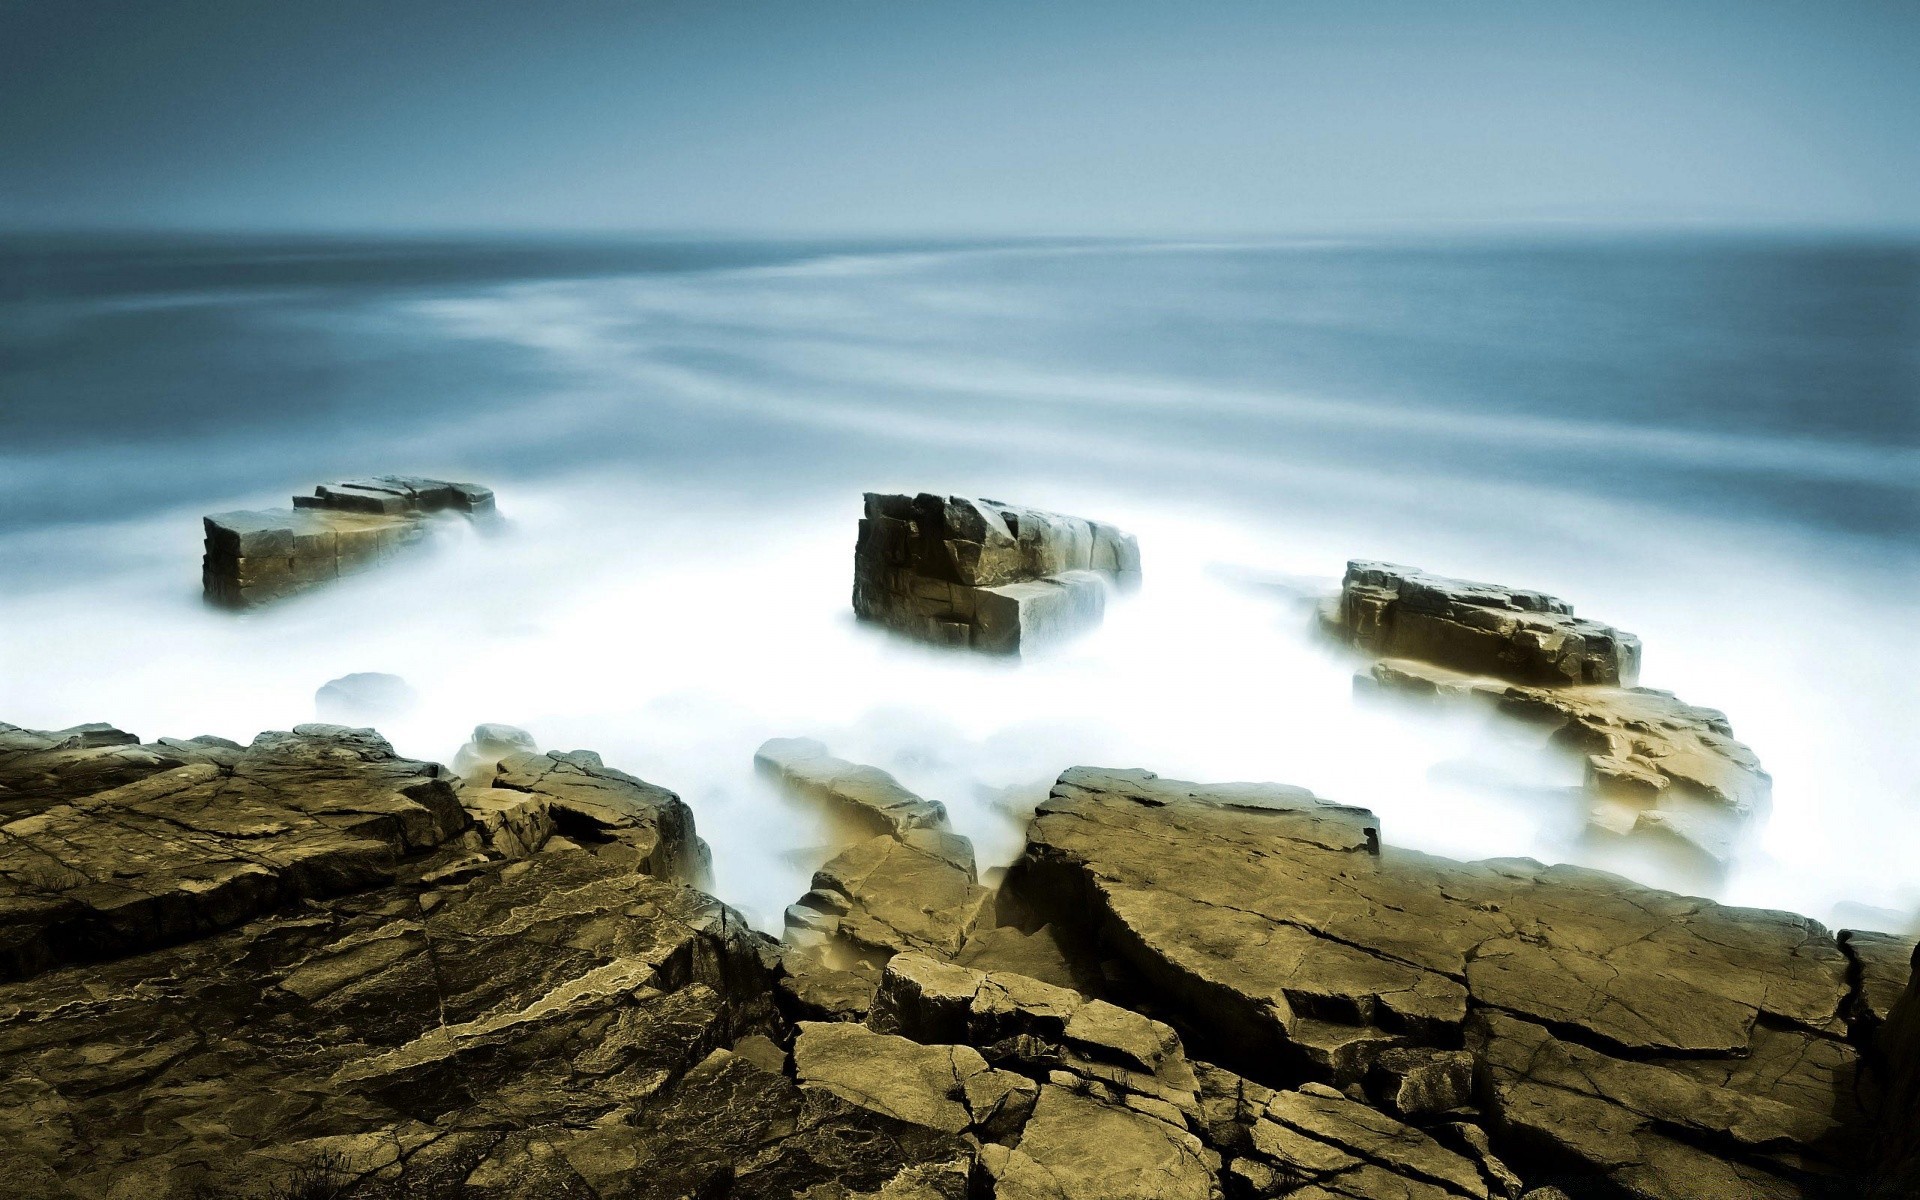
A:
(897, 117)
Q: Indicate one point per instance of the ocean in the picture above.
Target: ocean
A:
(1712, 441)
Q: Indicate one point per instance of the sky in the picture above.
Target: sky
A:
(890, 117)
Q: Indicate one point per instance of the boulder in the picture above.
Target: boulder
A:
(364, 696)
(1507, 633)
(984, 575)
(617, 814)
(859, 800)
(1618, 1033)
(254, 557)
(887, 894)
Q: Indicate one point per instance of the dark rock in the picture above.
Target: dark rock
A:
(253, 557)
(1618, 1031)
(1480, 628)
(618, 814)
(984, 575)
(861, 801)
(1421, 1082)
(364, 696)
(1896, 1061)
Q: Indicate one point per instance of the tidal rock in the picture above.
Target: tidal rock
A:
(477, 758)
(1655, 768)
(1480, 628)
(1618, 1032)
(860, 800)
(110, 850)
(364, 696)
(1896, 1061)
(253, 557)
(984, 575)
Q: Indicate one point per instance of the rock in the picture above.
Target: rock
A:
(364, 696)
(1617, 1031)
(37, 767)
(948, 1088)
(1520, 636)
(187, 839)
(984, 575)
(591, 803)
(862, 801)
(1656, 769)
(1075, 1146)
(1037, 955)
(253, 557)
(477, 758)
(886, 895)
(1420, 1082)
(565, 994)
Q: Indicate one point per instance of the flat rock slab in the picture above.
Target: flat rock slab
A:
(257, 556)
(112, 849)
(1270, 927)
(983, 575)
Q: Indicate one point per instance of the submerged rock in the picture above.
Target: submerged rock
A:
(477, 758)
(253, 557)
(861, 801)
(364, 696)
(984, 575)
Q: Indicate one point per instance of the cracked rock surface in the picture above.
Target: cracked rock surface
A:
(1617, 1033)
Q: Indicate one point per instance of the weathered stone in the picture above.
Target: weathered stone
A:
(591, 802)
(1077, 1148)
(197, 841)
(1037, 955)
(253, 557)
(887, 894)
(1252, 913)
(1420, 1082)
(862, 801)
(565, 994)
(984, 575)
(1896, 1070)
(945, 1087)
(1480, 628)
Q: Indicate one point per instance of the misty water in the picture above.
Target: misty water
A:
(1710, 442)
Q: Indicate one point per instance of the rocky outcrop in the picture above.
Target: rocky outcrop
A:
(984, 575)
(111, 847)
(1479, 628)
(1660, 1044)
(480, 754)
(860, 801)
(253, 557)
(1667, 774)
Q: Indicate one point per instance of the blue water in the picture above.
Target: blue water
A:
(1713, 441)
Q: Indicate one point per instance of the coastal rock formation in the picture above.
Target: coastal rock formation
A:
(477, 757)
(513, 992)
(1666, 773)
(253, 557)
(861, 801)
(1665, 1045)
(985, 575)
(110, 849)
(1478, 628)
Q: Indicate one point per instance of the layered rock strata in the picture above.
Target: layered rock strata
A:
(1666, 773)
(253, 557)
(983, 575)
(1651, 1044)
